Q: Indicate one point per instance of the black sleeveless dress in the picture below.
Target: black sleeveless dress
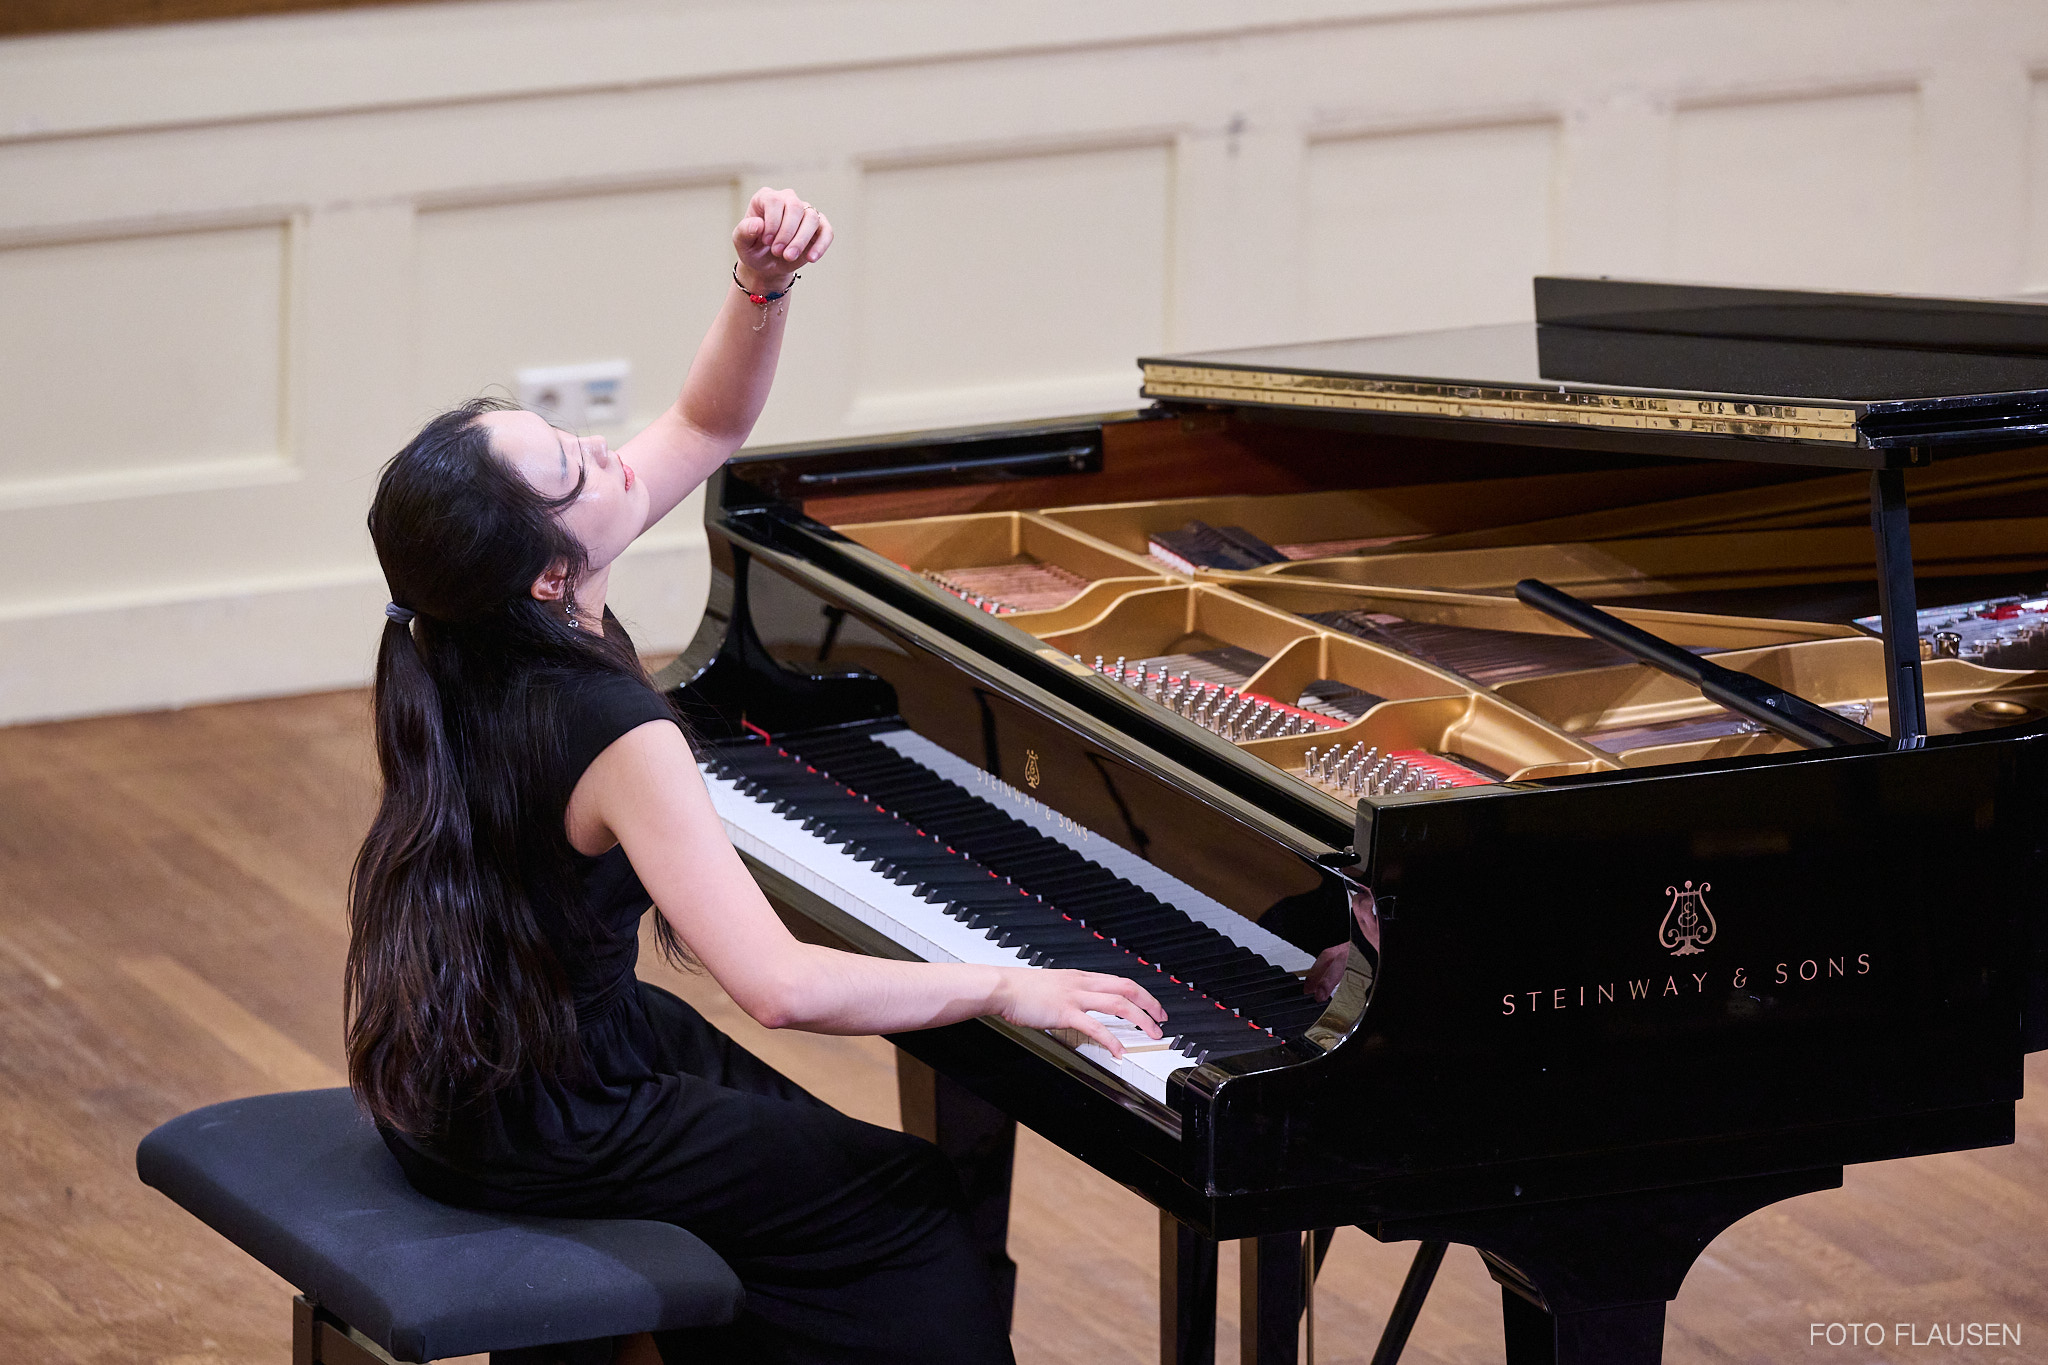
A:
(848, 1237)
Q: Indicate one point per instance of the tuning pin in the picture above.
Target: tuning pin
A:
(1308, 762)
(1118, 671)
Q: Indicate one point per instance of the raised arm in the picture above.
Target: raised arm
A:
(729, 380)
(644, 792)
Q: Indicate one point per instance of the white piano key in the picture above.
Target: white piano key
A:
(1194, 904)
(806, 858)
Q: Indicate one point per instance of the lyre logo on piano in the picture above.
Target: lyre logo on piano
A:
(1031, 771)
(1688, 925)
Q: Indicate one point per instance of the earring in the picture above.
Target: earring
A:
(569, 606)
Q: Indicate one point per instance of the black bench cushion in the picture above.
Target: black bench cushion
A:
(303, 1183)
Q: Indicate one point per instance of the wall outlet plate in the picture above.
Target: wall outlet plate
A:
(576, 396)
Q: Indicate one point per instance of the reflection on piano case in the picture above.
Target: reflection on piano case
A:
(1648, 958)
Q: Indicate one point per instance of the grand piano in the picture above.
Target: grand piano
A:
(1685, 828)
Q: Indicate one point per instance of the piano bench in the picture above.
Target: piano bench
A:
(303, 1183)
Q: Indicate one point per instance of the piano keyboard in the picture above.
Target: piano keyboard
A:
(956, 866)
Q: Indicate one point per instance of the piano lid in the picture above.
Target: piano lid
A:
(1848, 380)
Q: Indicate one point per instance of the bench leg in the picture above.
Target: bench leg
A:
(320, 1338)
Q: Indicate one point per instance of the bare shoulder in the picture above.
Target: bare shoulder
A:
(646, 773)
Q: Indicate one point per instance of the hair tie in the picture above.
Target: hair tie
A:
(394, 612)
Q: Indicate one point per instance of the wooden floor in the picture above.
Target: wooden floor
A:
(171, 934)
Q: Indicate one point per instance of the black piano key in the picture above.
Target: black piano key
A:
(1032, 864)
(1294, 1016)
(1057, 886)
(1122, 901)
(1043, 933)
(1231, 985)
(1256, 1003)
(1187, 951)
(1250, 982)
(1109, 963)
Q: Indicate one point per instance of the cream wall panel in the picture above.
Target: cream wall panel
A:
(1972, 203)
(98, 404)
(2036, 179)
(347, 369)
(1229, 186)
(1820, 191)
(1063, 286)
(1442, 228)
(626, 276)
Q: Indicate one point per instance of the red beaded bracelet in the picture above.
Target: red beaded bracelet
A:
(762, 300)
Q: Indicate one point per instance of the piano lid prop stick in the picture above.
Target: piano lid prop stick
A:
(1789, 714)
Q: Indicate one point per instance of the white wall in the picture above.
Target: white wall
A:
(240, 262)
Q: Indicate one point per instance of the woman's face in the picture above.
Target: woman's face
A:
(612, 508)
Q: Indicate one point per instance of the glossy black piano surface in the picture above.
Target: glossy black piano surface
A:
(1641, 966)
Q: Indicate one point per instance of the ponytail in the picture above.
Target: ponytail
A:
(451, 989)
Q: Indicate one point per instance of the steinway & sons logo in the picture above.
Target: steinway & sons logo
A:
(1686, 929)
(1688, 925)
(1031, 768)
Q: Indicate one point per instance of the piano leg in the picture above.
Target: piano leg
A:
(981, 1142)
(1273, 1296)
(1187, 1294)
(1534, 1337)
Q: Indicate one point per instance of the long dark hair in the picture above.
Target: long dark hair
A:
(452, 988)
